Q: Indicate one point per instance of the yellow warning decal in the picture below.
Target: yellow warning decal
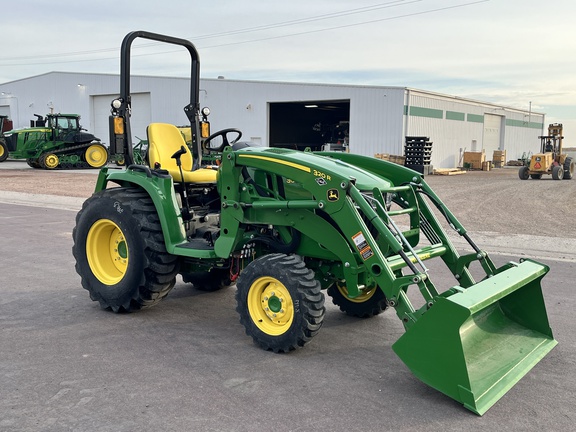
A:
(366, 253)
(364, 248)
(359, 241)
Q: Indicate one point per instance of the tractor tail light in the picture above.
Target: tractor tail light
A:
(118, 125)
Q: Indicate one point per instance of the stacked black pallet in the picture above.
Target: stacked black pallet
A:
(418, 153)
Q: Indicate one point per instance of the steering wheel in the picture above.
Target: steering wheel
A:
(224, 134)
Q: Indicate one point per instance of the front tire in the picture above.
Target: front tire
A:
(524, 173)
(280, 302)
(212, 280)
(120, 252)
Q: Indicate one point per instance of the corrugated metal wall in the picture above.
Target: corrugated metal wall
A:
(380, 117)
(522, 131)
(64, 92)
(375, 113)
(456, 125)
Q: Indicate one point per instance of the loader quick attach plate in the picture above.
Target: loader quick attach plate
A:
(474, 345)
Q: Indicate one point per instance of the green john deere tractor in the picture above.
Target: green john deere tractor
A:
(5, 125)
(285, 226)
(55, 142)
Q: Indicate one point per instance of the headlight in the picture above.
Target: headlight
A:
(205, 111)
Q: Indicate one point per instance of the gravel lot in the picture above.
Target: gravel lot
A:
(495, 201)
(38, 181)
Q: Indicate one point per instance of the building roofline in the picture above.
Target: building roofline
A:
(474, 101)
(296, 83)
(208, 79)
(56, 73)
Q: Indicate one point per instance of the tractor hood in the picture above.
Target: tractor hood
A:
(28, 130)
(324, 169)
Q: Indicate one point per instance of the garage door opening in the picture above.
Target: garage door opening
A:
(315, 124)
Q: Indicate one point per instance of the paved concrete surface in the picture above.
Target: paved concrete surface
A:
(186, 365)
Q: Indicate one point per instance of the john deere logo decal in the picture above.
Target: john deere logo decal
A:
(333, 195)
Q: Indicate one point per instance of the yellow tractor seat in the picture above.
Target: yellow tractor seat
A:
(164, 140)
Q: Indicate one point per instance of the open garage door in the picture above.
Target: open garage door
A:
(315, 124)
(139, 121)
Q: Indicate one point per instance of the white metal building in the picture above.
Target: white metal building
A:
(377, 119)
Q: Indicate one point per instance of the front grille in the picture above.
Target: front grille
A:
(12, 142)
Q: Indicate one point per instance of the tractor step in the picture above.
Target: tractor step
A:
(196, 248)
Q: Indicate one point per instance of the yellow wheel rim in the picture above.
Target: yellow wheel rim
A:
(51, 161)
(364, 296)
(1, 151)
(270, 306)
(96, 156)
(107, 252)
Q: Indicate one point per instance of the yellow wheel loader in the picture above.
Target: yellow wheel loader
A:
(550, 160)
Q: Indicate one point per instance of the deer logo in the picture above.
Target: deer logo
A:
(333, 195)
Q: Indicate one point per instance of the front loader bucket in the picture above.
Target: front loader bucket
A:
(476, 344)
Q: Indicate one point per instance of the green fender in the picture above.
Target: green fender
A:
(161, 191)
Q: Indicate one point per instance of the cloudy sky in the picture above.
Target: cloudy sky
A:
(519, 53)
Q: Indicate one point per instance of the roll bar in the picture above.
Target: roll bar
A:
(122, 142)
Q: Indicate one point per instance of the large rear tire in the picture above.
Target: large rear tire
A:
(120, 251)
(3, 151)
(96, 156)
(558, 172)
(366, 305)
(280, 302)
(569, 167)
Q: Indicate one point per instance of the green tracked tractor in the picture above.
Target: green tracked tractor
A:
(285, 226)
(56, 141)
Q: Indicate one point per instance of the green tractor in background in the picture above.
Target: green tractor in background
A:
(5, 125)
(286, 226)
(54, 142)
